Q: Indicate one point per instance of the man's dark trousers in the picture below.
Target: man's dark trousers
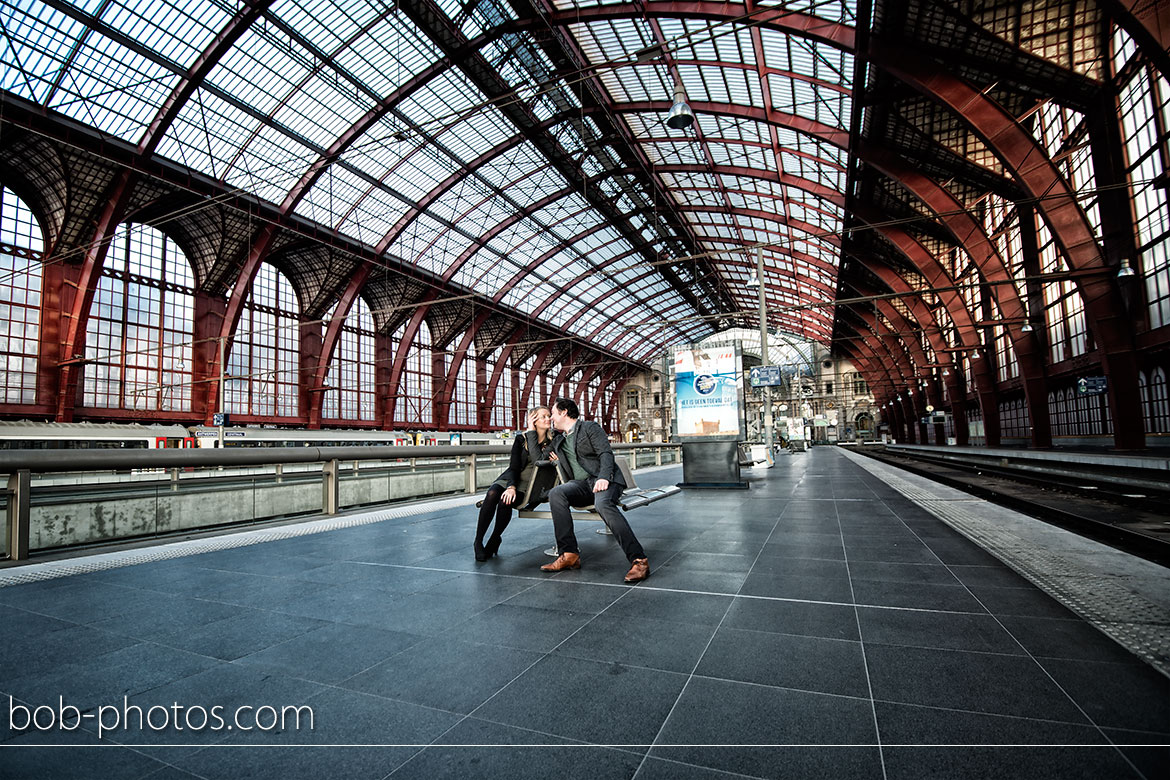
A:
(578, 493)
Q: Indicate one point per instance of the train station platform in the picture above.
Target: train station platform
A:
(837, 619)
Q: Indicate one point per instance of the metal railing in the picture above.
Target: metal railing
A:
(58, 499)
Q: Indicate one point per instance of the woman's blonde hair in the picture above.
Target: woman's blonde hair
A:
(532, 415)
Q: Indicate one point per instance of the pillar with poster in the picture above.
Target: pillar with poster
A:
(708, 397)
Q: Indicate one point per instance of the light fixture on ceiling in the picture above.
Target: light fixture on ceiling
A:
(1027, 328)
(1126, 270)
(680, 116)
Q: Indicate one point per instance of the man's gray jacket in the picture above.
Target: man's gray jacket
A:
(593, 454)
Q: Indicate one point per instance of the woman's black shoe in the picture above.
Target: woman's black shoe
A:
(480, 553)
(492, 547)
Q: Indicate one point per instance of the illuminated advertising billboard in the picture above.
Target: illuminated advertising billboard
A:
(708, 392)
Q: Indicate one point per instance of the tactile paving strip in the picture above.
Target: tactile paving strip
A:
(1106, 601)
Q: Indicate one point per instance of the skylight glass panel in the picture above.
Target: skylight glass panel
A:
(208, 137)
(333, 196)
(443, 102)
(385, 58)
(112, 88)
(419, 172)
(373, 216)
(178, 32)
(320, 111)
(270, 165)
(417, 236)
(565, 222)
(562, 310)
(486, 216)
(40, 39)
(323, 24)
(262, 68)
(512, 165)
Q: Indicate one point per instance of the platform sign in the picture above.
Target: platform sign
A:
(766, 376)
(708, 392)
(1092, 385)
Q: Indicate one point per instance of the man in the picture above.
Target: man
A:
(585, 461)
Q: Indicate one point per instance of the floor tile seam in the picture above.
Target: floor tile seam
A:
(877, 728)
(544, 655)
(715, 772)
(893, 481)
(1054, 586)
(637, 667)
(786, 688)
(896, 482)
(710, 640)
(1010, 716)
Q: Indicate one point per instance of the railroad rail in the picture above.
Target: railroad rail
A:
(1120, 499)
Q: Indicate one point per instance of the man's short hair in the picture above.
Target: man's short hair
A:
(568, 406)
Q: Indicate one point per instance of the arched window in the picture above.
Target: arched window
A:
(264, 362)
(502, 401)
(415, 388)
(1144, 100)
(1157, 403)
(596, 398)
(21, 251)
(537, 396)
(139, 335)
(352, 393)
(463, 399)
(569, 390)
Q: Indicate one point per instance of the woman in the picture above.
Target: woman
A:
(529, 452)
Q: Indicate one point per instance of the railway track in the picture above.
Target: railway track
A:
(1133, 516)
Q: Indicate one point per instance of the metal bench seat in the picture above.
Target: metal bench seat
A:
(634, 497)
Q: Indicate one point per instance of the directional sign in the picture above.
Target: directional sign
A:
(1092, 385)
(762, 376)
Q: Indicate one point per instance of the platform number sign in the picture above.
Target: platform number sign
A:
(1092, 385)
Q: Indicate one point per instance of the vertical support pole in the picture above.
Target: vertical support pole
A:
(222, 389)
(329, 487)
(768, 422)
(19, 487)
(657, 456)
(471, 475)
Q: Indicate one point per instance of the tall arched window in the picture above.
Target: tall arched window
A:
(463, 400)
(415, 388)
(139, 335)
(264, 362)
(21, 251)
(502, 402)
(1145, 124)
(515, 401)
(352, 392)
(1156, 401)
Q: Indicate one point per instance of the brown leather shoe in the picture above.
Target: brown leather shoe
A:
(639, 571)
(567, 560)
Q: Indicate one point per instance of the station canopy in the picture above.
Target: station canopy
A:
(518, 151)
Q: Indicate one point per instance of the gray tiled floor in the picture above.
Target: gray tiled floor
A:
(818, 624)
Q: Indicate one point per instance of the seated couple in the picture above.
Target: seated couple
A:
(558, 441)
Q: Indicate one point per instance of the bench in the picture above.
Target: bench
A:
(633, 497)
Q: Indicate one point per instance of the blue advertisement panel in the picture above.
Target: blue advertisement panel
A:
(707, 390)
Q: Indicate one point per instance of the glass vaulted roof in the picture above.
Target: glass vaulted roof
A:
(522, 155)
